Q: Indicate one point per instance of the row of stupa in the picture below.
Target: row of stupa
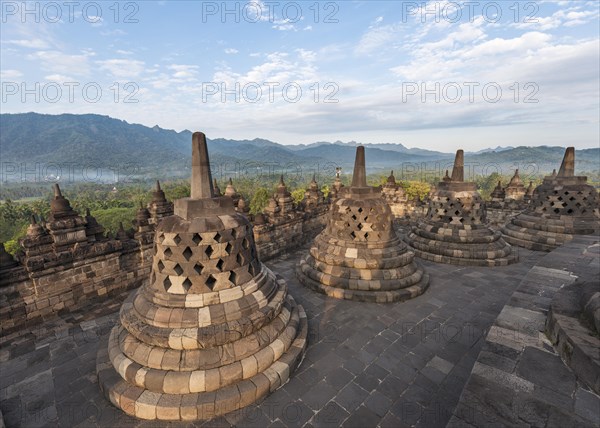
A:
(214, 330)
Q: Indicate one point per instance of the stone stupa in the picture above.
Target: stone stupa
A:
(455, 230)
(213, 330)
(358, 256)
(562, 206)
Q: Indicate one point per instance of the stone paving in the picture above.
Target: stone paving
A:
(519, 379)
(367, 364)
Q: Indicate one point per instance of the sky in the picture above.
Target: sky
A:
(436, 75)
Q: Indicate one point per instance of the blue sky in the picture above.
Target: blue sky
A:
(416, 73)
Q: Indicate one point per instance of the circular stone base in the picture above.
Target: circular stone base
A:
(145, 404)
(387, 296)
(504, 261)
(533, 239)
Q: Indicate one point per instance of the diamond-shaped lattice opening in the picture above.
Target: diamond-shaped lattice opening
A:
(228, 248)
(209, 251)
(360, 226)
(187, 253)
(233, 277)
(167, 283)
(354, 217)
(198, 268)
(177, 239)
(168, 252)
(211, 281)
(160, 265)
(239, 259)
(360, 210)
(178, 269)
(196, 238)
(218, 237)
(366, 235)
(220, 264)
(353, 235)
(187, 284)
(245, 244)
(161, 238)
(234, 233)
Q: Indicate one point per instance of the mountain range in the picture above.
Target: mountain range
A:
(106, 142)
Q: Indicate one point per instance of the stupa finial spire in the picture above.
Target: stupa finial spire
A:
(458, 172)
(202, 184)
(567, 167)
(359, 177)
(57, 192)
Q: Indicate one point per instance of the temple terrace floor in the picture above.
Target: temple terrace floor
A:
(367, 364)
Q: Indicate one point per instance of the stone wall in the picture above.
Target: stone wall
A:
(28, 297)
(275, 239)
(499, 212)
(47, 282)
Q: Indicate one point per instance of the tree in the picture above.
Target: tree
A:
(259, 200)
(298, 196)
(415, 189)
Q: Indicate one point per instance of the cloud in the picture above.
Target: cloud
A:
(10, 74)
(568, 18)
(122, 67)
(183, 71)
(29, 43)
(63, 63)
(59, 78)
(117, 32)
(231, 51)
(122, 52)
(376, 38)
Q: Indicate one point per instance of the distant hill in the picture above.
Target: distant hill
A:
(106, 142)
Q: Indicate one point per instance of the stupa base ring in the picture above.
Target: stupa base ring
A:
(371, 296)
(145, 404)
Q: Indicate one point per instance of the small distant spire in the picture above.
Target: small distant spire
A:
(359, 176)
(281, 182)
(567, 167)
(446, 177)
(33, 220)
(314, 178)
(458, 172)
(158, 189)
(87, 212)
(554, 172)
(202, 184)
(57, 192)
(230, 181)
(216, 188)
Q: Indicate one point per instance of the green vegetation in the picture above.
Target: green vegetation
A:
(298, 195)
(416, 190)
(259, 201)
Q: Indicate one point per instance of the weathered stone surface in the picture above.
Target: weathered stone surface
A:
(455, 228)
(209, 307)
(358, 256)
(562, 206)
(519, 378)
